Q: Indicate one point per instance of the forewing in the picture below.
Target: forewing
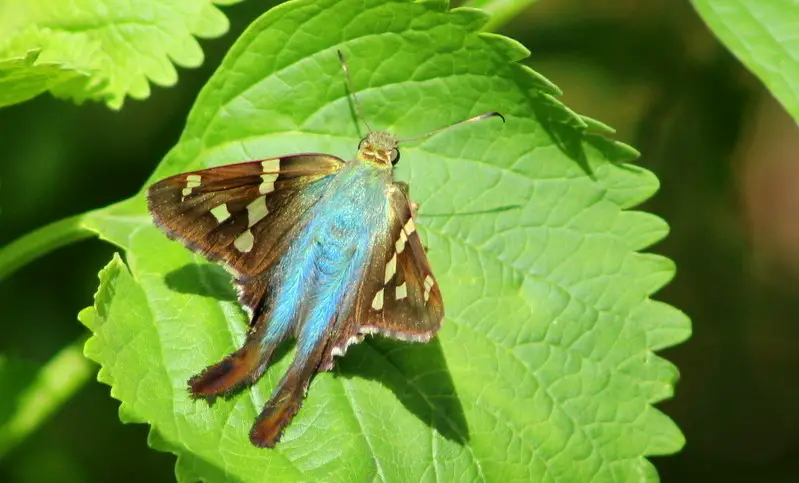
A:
(398, 296)
(242, 214)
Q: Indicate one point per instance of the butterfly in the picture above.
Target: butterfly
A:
(321, 250)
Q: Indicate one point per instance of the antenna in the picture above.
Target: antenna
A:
(471, 119)
(352, 89)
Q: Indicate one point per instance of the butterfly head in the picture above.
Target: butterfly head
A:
(379, 148)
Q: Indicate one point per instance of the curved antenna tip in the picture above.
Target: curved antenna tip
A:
(471, 119)
(490, 114)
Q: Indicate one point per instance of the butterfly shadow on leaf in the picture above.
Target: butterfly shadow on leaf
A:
(418, 376)
(202, 279)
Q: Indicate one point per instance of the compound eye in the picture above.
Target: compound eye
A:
(395, 156)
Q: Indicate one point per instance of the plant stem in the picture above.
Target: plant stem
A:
(501, 11)
(41, 241)
(53, 385)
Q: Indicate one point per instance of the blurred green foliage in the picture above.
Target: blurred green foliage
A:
(101, 50)
(650, 69)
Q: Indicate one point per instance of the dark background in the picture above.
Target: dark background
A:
(726, 154)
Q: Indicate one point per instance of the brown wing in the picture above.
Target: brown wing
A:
(242, 214)
(398, 296)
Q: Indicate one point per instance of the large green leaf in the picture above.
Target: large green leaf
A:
(100, 49)
(543, 370)
(762, 34)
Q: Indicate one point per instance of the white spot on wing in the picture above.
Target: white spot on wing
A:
(400, 245)
(244, 242)
(256, 211)
(402, 291)
(391, 268)
(267, 183)
(410, 227)
(270, 167)
(192, 181)
(428, 285)
(377, 303)
(220, 213)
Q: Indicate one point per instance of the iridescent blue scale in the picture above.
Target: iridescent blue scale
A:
(326, 261)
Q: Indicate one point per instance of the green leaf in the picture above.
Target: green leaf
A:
(100, 49)
(762, 35)
(21, 78)
(543, 370)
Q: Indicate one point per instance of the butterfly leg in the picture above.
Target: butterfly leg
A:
(239, 369)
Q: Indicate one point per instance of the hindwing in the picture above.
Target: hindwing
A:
(398, 296)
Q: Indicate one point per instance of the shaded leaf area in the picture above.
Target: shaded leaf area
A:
(100, 50)
(543, 369)
(762, 35)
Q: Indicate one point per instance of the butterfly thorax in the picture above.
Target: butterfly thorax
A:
(379, 148)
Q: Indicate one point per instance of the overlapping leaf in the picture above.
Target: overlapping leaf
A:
(763, 36)
(100, 49)
(544, 368)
